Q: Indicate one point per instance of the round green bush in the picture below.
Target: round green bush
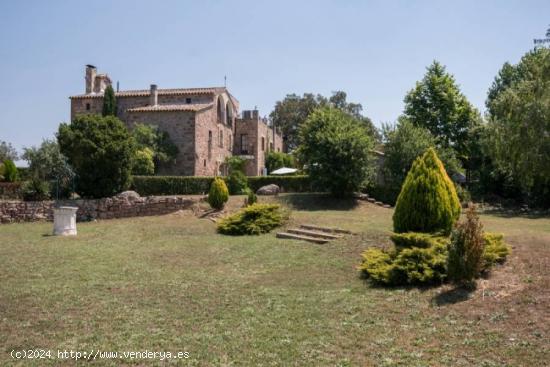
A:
(237, 183)
(143, 163)
(428, 201)
(218, 194)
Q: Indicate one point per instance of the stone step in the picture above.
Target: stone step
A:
(300, 237)
(309, 233)
(324, 229)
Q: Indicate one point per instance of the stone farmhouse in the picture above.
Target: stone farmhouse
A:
(205, 124)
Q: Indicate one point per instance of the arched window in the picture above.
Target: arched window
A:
(229, 113)
(220, 110)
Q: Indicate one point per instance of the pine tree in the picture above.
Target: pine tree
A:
(109, 102)
(428, 201)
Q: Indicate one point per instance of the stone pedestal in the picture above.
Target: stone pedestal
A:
(64, 221)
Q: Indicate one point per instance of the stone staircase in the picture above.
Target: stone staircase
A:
(313, 233)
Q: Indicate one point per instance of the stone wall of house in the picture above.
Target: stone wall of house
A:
(180, 125)
(78, 105)
(210, 150)
(120, 206)
(260, 142)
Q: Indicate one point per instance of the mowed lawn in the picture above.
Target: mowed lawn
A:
(170, 283)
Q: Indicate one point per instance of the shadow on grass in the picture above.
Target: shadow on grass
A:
(450, 296)
(315, 202)
(510, 213)
(453, 295)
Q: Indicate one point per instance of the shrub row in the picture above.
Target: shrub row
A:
(191, 185)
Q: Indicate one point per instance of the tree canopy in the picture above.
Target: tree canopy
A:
(7, 151)
(109, 102)
(101, 152)
(519, 124)
(292, 112)
(437, 104)
(47, 163)
(157, 143)
(403, 144)
(336, 147)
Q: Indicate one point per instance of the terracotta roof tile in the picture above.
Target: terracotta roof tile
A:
(161, 92)
(173, 107)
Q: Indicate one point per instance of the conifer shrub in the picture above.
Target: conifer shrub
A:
(253, 220)
(378, 265)
(218, 194)
(465, 260)
(407, 265)
(496, 250)
(9, 171)
(415, 239)
(420, 258)
(428, 201)
(251, 197)
(417, 265)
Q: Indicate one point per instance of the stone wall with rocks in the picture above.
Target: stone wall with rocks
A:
(126, 204)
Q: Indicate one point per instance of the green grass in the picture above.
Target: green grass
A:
(171, 283)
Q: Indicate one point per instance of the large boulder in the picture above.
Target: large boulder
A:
(128, 195)
(269, 190)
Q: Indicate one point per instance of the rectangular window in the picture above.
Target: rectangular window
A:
(244, 143)
(87, 106)
(221, 138)
(188, 100)
(271, 147)
(229, 142)
(263, 144)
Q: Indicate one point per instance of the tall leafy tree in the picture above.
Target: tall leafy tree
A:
(157, 142)
(7, 151)
(519, 124)
(437, 104)
(292, 112)
(405, 142)
(101, 152)
(109, 102)
(46, 161)
(336, 149)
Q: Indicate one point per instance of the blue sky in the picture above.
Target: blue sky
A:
(373, 50)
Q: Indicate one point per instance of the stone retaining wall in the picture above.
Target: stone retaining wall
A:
(120, 206)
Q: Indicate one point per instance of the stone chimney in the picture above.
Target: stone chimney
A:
(153, 96)
(91, 72)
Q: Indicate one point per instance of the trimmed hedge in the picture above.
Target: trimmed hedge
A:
(192, 185)
(171, 185)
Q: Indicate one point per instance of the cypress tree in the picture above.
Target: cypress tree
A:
(428, 201)
(109, 102)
